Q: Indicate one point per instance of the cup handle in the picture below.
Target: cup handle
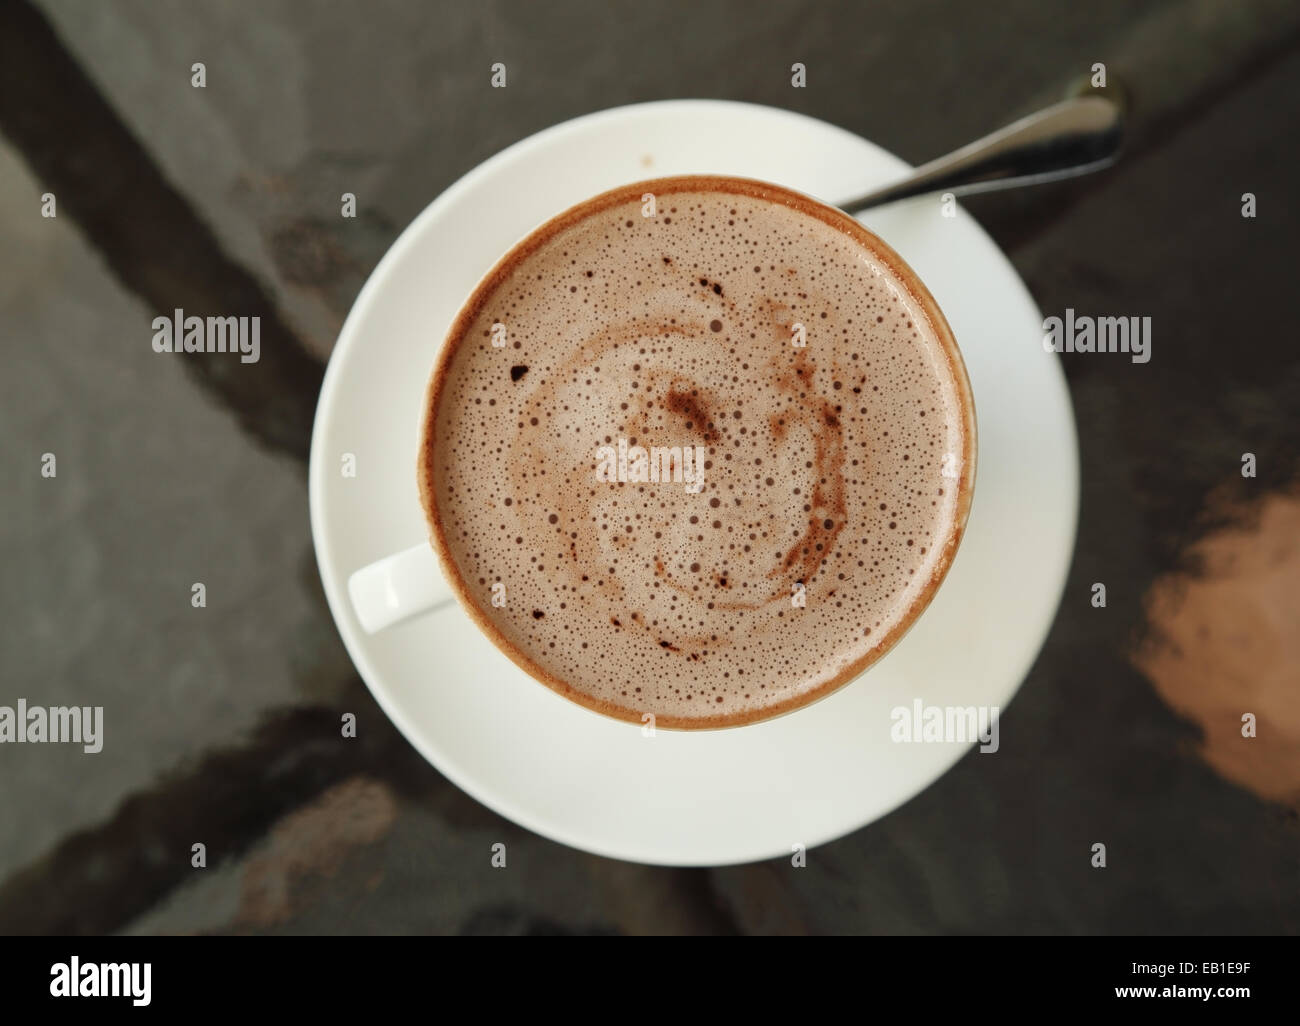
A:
(398, 587)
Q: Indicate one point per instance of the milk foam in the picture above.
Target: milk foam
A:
(823, 471)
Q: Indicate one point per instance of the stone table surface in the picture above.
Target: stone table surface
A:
(1128, 729)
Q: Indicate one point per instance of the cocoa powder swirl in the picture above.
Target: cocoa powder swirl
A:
(823, 512)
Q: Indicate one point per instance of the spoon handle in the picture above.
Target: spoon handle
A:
(1061, 141)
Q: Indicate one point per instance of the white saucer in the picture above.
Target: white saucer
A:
(713, 797)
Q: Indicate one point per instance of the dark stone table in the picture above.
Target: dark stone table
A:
(1128, 729)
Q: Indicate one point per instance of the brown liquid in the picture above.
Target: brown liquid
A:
(823, 466)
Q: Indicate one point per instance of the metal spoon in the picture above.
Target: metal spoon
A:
(1068, 139)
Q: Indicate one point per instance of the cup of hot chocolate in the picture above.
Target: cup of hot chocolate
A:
(700, 449)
